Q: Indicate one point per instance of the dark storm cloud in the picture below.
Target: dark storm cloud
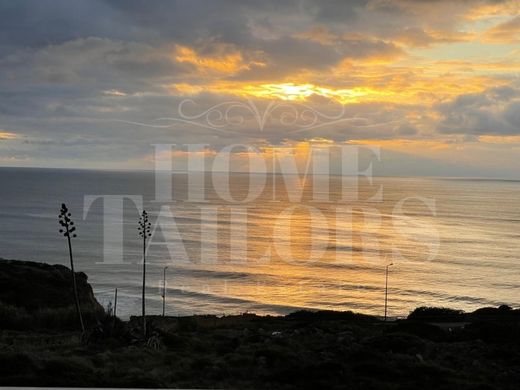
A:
(495, 112)
(33, 24)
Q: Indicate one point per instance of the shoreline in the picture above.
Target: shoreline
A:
(104, 298)
(40, 345)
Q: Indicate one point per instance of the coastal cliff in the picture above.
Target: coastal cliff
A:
(39, 295)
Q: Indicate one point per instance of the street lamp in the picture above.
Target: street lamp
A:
(164, 290)
(386, 288)
(115, 304)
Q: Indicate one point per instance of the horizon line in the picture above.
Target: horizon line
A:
(173, 172)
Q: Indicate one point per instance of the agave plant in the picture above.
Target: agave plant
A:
(68, 230)
(144, 231)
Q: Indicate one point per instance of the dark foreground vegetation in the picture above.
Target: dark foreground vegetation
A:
(432, 349)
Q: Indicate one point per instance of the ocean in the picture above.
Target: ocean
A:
(273, 245)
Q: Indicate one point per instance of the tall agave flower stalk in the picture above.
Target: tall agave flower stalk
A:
(68, 229)
(144, 231)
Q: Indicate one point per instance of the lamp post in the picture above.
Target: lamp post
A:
(164, 290)
(386, 288)
(115, 304)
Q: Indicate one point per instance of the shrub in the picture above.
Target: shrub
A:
(436, 314)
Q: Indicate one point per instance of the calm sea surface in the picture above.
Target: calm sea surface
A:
(453, 242)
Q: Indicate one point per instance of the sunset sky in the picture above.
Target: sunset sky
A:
(93, 84)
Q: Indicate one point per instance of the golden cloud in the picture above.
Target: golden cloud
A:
(7, 135)
(493, 9)
(223, 59)
(506, 32)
